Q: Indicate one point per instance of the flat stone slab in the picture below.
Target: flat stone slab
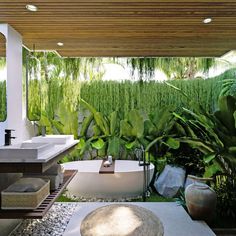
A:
(173, 217)
(122, 220)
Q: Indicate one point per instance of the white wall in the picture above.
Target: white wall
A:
(16, 114)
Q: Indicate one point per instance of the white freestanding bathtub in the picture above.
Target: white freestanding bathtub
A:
(127, 181)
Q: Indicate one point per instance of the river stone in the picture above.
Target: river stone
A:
(170, 181)
(122, 220)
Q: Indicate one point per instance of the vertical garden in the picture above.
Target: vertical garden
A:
(64, 81)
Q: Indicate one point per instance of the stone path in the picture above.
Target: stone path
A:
(54, 223)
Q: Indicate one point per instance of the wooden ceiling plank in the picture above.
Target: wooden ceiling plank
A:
(125, 27)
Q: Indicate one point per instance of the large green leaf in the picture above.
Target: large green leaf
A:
(227, 105)
(99, 118)
(88, 106)
(234, 119)
(81, 143)
(131, 145)
(172, 143)
(100, 121)
(103, 151)
(44, 121)
(99, 144)
(149, 127)
(208, 158)
(114, 146)
(162, 119)
(125, 128)
(58, 125)
(211, 170)
(96, 130)
(180, 129)
(85, 124)
(137, 123)
(113, 122)
(183, 119)
(196, 143)
(153, 142)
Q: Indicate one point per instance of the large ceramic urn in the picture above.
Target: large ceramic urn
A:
(200, 201)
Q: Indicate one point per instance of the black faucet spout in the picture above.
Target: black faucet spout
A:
(8, 136)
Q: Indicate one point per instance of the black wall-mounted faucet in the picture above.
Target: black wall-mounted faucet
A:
(8, 136)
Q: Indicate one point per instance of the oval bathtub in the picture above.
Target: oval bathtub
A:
(127, 181)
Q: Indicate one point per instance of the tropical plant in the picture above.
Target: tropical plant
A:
(225, 188)
(190, 159)
(116, 137)
(229, 83)
(213, 135)
(159, 129)
(105, 138)
(34, 100)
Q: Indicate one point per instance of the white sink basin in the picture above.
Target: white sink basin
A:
(55, 139)
(24, 151)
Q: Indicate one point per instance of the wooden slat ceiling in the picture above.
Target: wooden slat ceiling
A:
(125, 27)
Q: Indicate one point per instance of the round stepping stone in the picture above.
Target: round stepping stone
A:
(121, 220)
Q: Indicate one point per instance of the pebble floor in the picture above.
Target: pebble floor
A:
(54, 222)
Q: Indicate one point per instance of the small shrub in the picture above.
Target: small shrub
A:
(226, 196)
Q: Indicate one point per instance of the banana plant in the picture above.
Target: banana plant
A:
(154, 130)
(132, 129)
(214, 135)
(106, 138)
(159, 129)
(111, 135)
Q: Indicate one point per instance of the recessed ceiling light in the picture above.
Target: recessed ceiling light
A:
(31, 7)
(207, 20)
(60, 44)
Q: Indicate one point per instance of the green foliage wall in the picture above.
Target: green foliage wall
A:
(107, 96)
(34, 100)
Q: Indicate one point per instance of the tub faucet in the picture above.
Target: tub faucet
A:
(141, 155)
(8, 136)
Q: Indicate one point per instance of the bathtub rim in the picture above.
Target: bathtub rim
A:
(71, 166)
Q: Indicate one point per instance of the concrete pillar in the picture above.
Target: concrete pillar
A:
(16, 112)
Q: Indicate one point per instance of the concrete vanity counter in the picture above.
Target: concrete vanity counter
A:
(46, 157)
(36, 165)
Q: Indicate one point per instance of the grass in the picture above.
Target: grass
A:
(154, 197)
(63, 198)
